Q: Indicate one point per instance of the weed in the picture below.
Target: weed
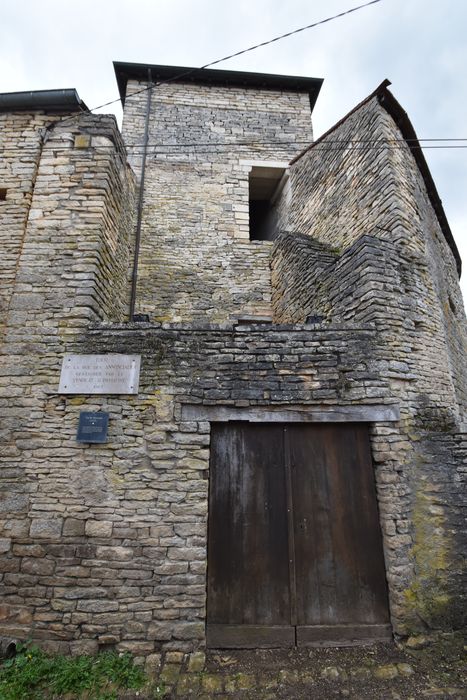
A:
(159, 691)
(33, 675)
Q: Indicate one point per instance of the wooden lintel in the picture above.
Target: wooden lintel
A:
(363, 413)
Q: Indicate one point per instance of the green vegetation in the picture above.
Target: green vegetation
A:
(428, 596)
(33, 675)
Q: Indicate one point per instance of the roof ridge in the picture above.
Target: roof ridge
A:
(379, 89)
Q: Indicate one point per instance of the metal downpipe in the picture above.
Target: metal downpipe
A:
(134, 275)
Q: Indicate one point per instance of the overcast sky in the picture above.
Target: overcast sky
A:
(420, 45)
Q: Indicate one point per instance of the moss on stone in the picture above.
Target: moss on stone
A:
(428, 596)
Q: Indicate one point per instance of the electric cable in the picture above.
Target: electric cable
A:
(205, 147)
(226, 58)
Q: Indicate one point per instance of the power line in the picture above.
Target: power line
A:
(266, 142)
(233, 55)
(291, 141)
(295, 31)
(204, 147)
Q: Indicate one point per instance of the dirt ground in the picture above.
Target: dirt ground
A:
(378, 672)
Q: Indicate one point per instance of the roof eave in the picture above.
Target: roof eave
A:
(63, 100)
(139, 71)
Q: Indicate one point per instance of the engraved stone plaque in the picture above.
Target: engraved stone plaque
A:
(100, 374)
(92, 426)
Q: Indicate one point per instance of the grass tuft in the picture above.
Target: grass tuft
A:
(33, 675)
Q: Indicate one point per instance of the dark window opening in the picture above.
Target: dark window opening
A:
(265, 185)
(3, 191)
(261, 220)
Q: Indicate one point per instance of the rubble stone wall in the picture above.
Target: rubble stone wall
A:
(300, 268)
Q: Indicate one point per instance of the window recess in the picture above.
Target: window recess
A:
(266, 183)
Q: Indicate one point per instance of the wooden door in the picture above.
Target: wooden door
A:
(294, 547)
(340, 575)
(248, 569)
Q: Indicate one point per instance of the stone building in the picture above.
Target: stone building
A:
(290, 470)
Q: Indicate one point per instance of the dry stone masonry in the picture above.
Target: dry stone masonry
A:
(352, 312)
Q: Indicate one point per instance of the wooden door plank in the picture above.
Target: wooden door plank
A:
(290, 528)
(322, 635)
(249, 636)
(248, 575)
(340, 567)
(315, 573)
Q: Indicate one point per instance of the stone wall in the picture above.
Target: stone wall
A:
(71, 242)
(402, 279)
(105, 545)
(361, 178)
(300, 268)
(439, 484)
(197, 261)
(21, 137)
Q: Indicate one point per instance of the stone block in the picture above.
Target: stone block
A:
(153, 664)
(17, 528)
(9, 565)
(97, 606)
(189, 630)
(405, 669)
(81, 592)
(114, 553)
(136, 648)
(174, 657)
(14, 503)
(72, 527)
(45, 528)
(160, 631)
(387, 672)
(211, 683)
(53, 647)
(73, 571)
(36, 566)
(196, 662)
(29, 550)
(15, 614)
(5, 545)
(82, 647)
(98, 528)
(82, 141)
(331, 673)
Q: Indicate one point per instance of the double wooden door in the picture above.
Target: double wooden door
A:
(294, 544)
